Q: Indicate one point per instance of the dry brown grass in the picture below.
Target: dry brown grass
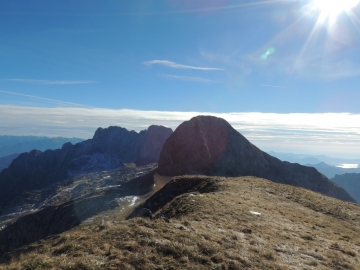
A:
(297, 229)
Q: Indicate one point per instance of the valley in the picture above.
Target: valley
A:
(201, 197)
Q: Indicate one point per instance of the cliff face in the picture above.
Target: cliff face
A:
(152, 142)
(109, 149)
(210, 146)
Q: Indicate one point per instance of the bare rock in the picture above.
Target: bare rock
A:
(108, 150)
(151, 144)
(208, 145)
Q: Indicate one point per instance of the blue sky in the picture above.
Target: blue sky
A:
(214, 56)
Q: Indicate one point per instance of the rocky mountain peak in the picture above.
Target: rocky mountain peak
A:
(208, 145)
(151, 144)
(110, 132)
(108, 150)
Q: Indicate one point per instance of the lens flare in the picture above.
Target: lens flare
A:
(332, 8)
(268, 52)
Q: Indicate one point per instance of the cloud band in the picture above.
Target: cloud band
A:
(327, 133)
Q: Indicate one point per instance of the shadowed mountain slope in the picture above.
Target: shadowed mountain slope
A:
(6, 161)
(350, 182)
(208, 145)
(108, 150)
(56, 219)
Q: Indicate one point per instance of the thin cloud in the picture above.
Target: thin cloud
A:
(48, 82)
(59, 102)
(326, 133)
(272, 86)
(229, 7)
(171, 64)
(195, 10)
(187, 78)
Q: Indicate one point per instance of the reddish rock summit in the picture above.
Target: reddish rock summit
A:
(209, 145)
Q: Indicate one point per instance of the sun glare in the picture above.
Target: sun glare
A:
(332, 8)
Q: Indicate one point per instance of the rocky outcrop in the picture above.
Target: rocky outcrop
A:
(109, 149)
(177, 186)
(208, 145)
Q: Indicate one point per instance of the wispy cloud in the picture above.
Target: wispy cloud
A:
(326, 133)
(272, 86)
(187, 78)
(59, 102)
(171, 64)
(32, 81)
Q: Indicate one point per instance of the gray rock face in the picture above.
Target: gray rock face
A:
(208, 145)
(151, 144)
(109, 149)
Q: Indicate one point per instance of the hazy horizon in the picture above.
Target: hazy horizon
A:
(284, 73)
(289, 133)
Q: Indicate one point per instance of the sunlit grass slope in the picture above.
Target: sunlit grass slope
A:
(218, 223)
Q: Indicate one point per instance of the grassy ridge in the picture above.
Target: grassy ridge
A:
(212, 228)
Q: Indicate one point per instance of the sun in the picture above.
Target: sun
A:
(332, 8)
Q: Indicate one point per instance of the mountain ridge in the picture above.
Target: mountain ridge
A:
(109, 149)
(330, 171)
(350, 182)
(186, 221)
(211, 146)
(211, 222)
(19, 144)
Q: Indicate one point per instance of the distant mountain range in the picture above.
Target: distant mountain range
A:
(330, 171)
(10, 145)
(348, 179)
(109, 149)
(205, 165)
(312, 159)
(6, 161)
(350, 182)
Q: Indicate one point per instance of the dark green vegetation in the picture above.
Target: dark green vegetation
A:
(211, 227)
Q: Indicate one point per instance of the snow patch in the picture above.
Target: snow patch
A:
(255, 213)
(114, 186)
(128, 199)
